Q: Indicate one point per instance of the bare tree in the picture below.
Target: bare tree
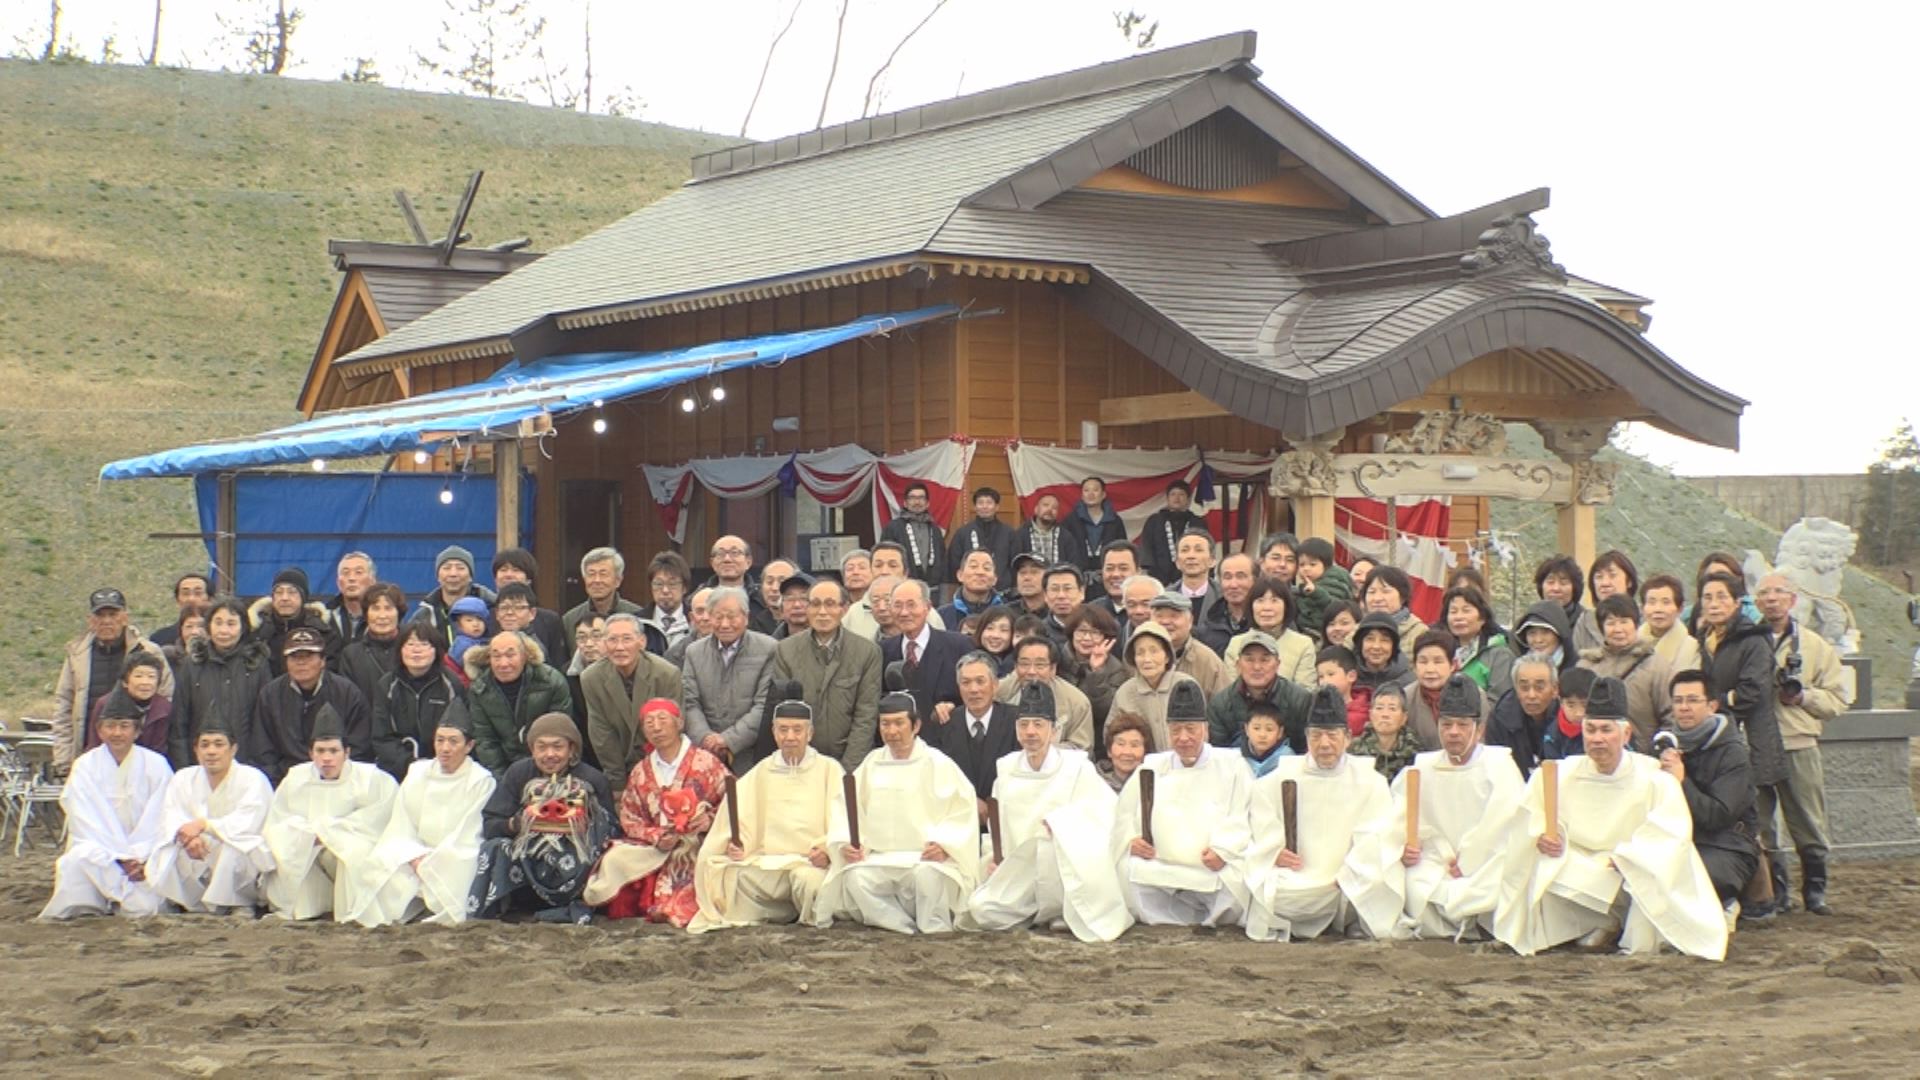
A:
(1130, 23)
(866, 107)
(153, 54)
(833, 68)
(53, 32)
(766, 66)
(265, 35)
(480, 42)
(586, 44)
(363, 71)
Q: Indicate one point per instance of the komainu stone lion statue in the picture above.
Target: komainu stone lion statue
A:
(1813, 555)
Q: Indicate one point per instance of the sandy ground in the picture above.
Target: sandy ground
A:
(218, 997)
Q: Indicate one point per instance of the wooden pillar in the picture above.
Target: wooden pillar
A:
(1313, 516)
(1577, 532)
(506, 484)
(1576, 442)
(226, 516)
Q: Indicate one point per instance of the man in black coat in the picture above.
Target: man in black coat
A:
(1087, 535)
(283, 717)
(913, 528)
(1522, 715)
(927, 656)
(1164, 528)
(1708, 756)
(979, 731)
(986, 532)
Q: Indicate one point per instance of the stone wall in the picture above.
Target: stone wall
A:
(1779, 501)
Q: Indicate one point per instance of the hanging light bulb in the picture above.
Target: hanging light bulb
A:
(420, 457)
(446, 495)
(687, 404)
(599, 425)
(319, 465)
(598, 402)
(719, 392)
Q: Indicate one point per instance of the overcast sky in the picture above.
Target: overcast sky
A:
(1728, 160)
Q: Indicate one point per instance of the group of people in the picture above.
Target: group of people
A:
(1046, 725)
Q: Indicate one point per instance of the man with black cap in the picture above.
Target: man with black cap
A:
(1029, 596)
(1468, 793)
(1345, 877)
(793, 605)
(545, 824)
(112, 801)
(454, 577)
(1192, 871)
(772, 873)
(288, 606)
(1163, 530)
(919, 823)
(1616, 864)
(327, 815)
(1055, 815)
(1708, 755)
(285, 716)
(212, 850)
(427, 855)
(92, 669)
(979, 731)
(986, 532)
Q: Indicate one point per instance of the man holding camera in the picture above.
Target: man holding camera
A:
(1707, 753)
(1812, 688)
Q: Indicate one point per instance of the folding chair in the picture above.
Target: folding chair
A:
(37, 789)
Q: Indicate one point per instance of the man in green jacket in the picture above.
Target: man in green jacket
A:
(512, 686)
(839, 676)
(1259, 681)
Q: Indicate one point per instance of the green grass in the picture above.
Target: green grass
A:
(164, 277)
(1667, 525)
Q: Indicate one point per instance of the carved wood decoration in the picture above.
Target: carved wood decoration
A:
(1302, 474)
(1451, 433)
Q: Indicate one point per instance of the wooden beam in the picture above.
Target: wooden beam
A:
(1153, 408)
(506, 481)
(226, 519)
(413, 220)
(1527, 406)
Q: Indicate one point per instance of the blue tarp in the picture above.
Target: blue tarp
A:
(310, 521)
(558, 385)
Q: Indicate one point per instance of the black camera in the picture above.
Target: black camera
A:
(1787, 679)
(1664, 741)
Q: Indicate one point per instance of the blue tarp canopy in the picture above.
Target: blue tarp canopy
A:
(556, 385)
(310, 520)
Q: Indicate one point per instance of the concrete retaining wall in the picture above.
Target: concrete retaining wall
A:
(1779, 501)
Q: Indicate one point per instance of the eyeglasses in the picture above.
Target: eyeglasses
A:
(666, 583)
(730, 553)
(1690, 699)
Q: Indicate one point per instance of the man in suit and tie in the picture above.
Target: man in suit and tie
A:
(927, 656)
(978, 731)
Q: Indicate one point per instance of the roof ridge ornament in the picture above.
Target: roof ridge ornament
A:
(1511, 241)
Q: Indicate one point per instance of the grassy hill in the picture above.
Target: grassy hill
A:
(163, 279)
(1668, 525)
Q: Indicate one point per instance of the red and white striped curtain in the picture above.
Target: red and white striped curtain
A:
(1418, 545)
(1136, 479)
(835, 477)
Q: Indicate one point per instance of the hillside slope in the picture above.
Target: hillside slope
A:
(163, 279)
(1667, 525)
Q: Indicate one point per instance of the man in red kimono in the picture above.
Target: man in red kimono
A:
(665, 813)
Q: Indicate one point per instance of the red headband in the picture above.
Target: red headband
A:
(655, 704)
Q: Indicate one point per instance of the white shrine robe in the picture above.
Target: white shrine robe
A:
(113, 811)
(905, 804)
(1637, 818)
(237, 854)
(1351, 868)
(436, 819)
(785, 812)
(1465, 814)
(1195, 807)
(1055, 824)
(318, 829)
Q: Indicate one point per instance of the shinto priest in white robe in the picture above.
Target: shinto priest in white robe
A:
(318, 830)
(1351, 865)
(1466, 812)
(1195, 807)
(904, 805)
(1626, 833)
(237, 853)
(785, 811)
(436, 819)
(1055, 825)
(113, 811)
